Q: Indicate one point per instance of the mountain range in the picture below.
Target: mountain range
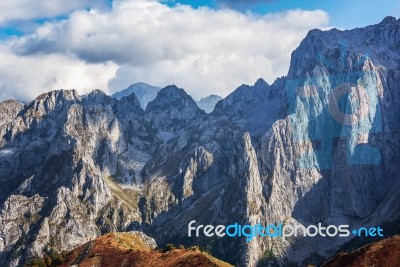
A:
(319, 145)
(147, 93)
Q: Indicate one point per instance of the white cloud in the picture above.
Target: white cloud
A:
(17, 10)
(25, 77)
(202, 50)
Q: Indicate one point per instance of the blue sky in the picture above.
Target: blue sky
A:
(345, 14)
(108, 45)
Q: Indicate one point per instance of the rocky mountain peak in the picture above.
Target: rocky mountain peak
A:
(172, 106)
(171, 95)
(247, 105)
(389, 20)
(128, 106)
(341, 51)
(243, 94)
(208, 103)
(144, 92)
(50, 104)
(261, 83)
(131, 99)
(96, 97)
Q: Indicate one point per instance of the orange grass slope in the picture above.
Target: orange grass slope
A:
(384, 253)
(126, 249)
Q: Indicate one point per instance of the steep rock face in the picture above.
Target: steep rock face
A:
(26, 139)
(247, 177)
(372, 124)
(66, 148)
(9, 109)
(327, 161)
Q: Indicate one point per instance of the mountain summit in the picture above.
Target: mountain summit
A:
(172, 107)
(144, 92)
(208, 103)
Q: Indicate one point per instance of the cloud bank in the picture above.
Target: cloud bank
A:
(205, 51)
(17, 10)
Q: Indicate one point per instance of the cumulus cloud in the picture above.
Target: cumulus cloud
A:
(204, 51)
(17, 10)
(25, 77)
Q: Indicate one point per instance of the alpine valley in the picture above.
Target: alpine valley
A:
(73, 168)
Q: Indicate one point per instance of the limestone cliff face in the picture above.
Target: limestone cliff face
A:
(9, 110)
(58, 157)
(319, 145)
(249, 180)
(328, 160)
